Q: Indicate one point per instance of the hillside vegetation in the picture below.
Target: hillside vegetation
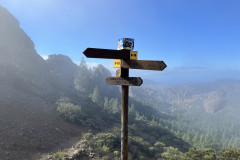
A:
(55, 109)
(100, 110)
(207, 114)
(155, 131)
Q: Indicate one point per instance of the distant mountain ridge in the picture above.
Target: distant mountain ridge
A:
(209, 109)
(211, 96)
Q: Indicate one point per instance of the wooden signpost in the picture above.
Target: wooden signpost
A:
(140, 64)
(125, 60)
(128, 81)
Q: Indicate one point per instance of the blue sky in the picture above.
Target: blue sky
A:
(184, 33)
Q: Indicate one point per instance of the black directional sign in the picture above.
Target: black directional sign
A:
(106, 53)
(141, 64)
(128, 81)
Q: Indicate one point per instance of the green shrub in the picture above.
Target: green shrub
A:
(68, 110)
(229, 153)
(106, 158)
(171, 153)
(59, 156)
(151, 150)
(116, 153)
(159, 144)
(107, 139)
(87, 136)
(199, 154)
(106, 149)
(100, 142)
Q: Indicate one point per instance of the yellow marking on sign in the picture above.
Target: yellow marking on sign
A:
(133, 56)
(117, 63)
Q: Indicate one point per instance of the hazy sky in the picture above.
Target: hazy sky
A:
(192, 33)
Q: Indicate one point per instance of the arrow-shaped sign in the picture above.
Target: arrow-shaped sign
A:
(128, 81)
(106, 53)
(142, 64)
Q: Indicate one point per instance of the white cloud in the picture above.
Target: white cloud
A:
(109, 66)
(89, 64)
(44, 56)
(92, 64)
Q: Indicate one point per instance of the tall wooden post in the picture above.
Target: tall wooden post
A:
(124, 58)
(124, 116)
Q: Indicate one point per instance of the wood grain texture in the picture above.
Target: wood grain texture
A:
(129, 81)
(124, 116)
(142, 64)
(118, 73)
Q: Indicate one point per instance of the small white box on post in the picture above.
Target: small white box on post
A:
(126, 43)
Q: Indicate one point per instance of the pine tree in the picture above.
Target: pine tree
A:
(114, 104)
(83, 78)
(195, 139)
(217, 141)
(106, 103)
(96, 98)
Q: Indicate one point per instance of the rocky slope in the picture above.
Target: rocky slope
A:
(63, 68)
(28, 90)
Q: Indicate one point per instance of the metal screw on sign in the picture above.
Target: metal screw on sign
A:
(125, 59)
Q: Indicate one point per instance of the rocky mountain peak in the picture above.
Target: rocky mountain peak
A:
(20, 66)
(63, 67)
(14, 42)
(60, 59)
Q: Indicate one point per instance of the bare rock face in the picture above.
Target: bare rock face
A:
(63, 68)
(22, 69)
(17, 49)
(28, 125)
(20, 65)
(99, 78)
